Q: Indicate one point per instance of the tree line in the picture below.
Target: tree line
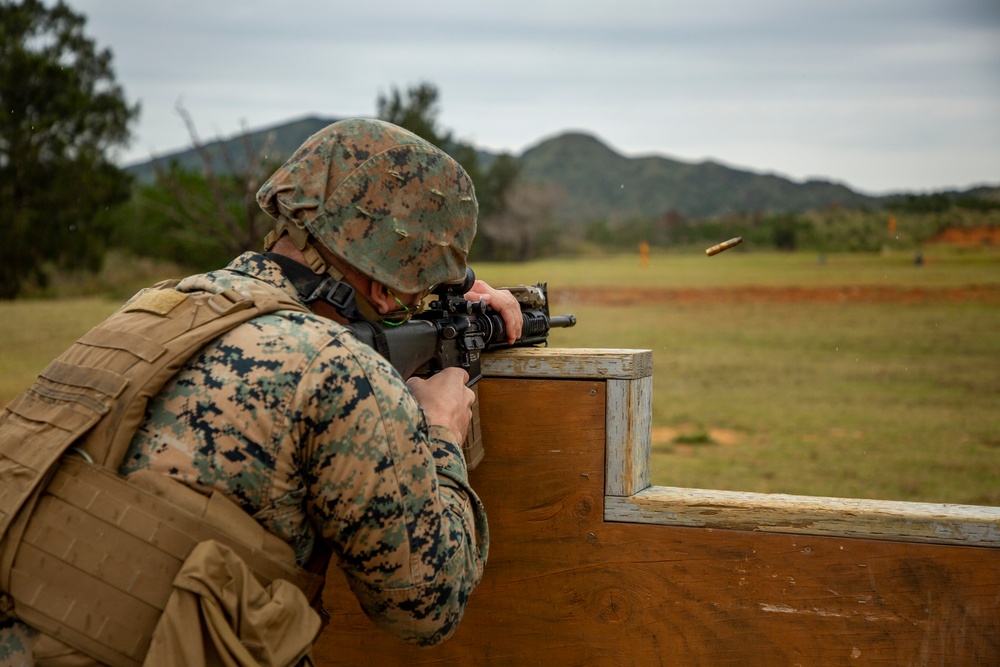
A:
(61, 112)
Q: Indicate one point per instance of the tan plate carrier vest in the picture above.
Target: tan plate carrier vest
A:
(85, 555)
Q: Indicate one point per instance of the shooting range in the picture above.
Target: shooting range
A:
(590, 565)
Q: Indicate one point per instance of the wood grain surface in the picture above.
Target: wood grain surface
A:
(565, 587)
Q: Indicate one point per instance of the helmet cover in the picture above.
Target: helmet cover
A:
(388, 203)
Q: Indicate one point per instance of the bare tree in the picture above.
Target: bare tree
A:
(224, 212)
(513, 231)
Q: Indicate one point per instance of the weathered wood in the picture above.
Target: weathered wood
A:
(629, 435)
(575, 363)
(779, 513)
(629, 375)
(565, 587)
(628, 448)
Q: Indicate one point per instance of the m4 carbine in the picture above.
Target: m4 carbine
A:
(453, 331)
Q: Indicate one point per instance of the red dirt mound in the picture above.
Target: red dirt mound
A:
(973, 236)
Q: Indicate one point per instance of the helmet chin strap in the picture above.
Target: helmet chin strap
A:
(316, 279)
(329, 287)
(300, 236)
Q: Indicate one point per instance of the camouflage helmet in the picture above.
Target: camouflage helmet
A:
(388, 203)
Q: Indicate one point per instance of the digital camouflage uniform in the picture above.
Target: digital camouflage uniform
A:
(312, 432)
(317, 437)
(15, 642)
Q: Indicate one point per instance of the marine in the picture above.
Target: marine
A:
(287, 416)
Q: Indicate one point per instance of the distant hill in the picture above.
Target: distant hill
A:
(599, 182)
(283, 140)
(602, 183)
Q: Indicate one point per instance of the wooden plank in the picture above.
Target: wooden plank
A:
(630, 400)
(575, 363)
(565, 587)
(629, 435)
(848, 517)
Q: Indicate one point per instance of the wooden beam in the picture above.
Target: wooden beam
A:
(629, 427)
(629, 376)
(569, 363)
(809, 515)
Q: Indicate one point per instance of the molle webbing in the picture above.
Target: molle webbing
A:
(99, 554)
(94, 395)
(88, 557)
(160, 346)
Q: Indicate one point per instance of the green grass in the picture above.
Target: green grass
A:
(891, 401)
(943, 267)
(33, 332)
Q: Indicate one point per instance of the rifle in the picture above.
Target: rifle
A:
(453, 331)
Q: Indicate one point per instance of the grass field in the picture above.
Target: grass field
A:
(862, 376)
(857, 376)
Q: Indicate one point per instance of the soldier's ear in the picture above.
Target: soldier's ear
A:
(380, 297)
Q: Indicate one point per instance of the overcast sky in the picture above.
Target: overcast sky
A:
(883, 95)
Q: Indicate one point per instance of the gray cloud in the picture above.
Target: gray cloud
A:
(889, 95)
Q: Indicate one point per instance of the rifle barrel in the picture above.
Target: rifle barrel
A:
(561, 321)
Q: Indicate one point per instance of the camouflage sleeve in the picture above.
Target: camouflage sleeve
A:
(16, 640)
(390, 495)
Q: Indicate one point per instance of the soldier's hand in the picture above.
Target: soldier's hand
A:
(504, 303)
(445, 399)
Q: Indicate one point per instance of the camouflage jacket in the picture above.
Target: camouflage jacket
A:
(316, 435)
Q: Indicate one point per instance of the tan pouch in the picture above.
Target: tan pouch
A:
(473, 448)
(98, 556)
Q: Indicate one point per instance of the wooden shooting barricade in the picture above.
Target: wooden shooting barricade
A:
(590, 565)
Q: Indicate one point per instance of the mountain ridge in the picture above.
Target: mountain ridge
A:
(601, 182)
(598, 182)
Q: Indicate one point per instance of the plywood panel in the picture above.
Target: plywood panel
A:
(564, 587)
